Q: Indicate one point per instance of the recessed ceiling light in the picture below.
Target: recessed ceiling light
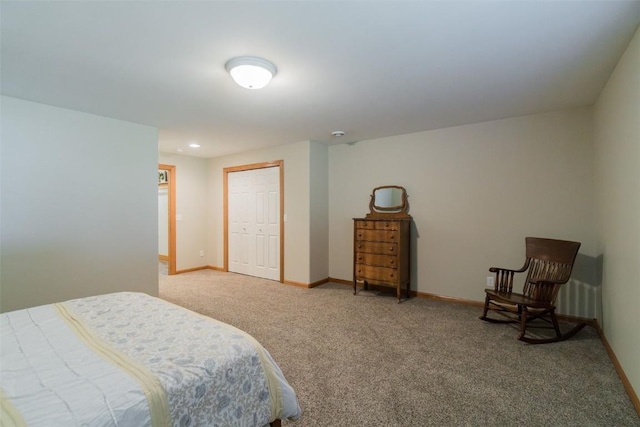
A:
(194, 145)
(179, 150)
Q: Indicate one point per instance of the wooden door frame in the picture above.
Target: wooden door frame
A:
(225, 201)
(172, 216)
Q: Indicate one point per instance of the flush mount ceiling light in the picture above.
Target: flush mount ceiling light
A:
(251, 72)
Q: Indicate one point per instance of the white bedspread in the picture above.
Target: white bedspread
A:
(128, 359)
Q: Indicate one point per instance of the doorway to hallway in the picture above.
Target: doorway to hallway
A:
(167, 218)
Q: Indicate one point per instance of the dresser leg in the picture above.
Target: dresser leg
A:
(354, 287)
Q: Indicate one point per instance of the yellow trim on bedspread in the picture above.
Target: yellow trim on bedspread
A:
(277, 404)
(9, 415)
(155, 394)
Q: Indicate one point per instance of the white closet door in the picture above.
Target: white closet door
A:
(254, 222)
(238, 214)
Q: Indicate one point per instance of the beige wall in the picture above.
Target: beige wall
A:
(474, 192)
(319, 211)
(191, 208)
(296, 205)
(617, 142)
(79, 205)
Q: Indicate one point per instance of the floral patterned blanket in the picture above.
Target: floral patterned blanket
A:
(131, 359)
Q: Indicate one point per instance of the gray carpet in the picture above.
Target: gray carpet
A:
(367, 361)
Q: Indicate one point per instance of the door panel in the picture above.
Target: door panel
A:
(272, 223)
(273, 253)
(238, 224)
(260, 253)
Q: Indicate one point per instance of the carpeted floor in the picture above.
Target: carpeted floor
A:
(367, 361)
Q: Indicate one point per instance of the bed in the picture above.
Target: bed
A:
(129, 359)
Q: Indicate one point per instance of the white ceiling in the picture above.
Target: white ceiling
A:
(368, 68)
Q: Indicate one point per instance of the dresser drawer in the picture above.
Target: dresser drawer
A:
(377, 235)
(378, 225)
(376, 274)
(389, 261)
(376, 247)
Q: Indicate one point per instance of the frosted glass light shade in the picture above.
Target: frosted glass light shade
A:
(251, 72)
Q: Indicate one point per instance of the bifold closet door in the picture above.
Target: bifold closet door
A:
(254, 222)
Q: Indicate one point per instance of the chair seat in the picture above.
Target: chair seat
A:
(516, 299)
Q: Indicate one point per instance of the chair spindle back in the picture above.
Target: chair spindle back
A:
(549, 260)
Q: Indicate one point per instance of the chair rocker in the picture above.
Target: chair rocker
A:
(548, 265)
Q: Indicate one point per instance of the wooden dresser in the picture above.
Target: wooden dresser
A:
(381, 250)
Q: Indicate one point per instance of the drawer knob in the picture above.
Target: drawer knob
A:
(391, 275)
(386, 224)
(391, 262)
(391, 249)
(393, 236)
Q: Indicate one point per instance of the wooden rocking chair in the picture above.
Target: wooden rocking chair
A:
(549, 263)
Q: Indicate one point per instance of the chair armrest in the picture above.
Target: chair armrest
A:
(506, 270)
(504, 277)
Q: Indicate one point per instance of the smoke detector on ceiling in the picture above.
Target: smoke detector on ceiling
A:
(337, 133)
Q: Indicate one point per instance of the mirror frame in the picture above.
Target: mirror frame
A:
(399, 211)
